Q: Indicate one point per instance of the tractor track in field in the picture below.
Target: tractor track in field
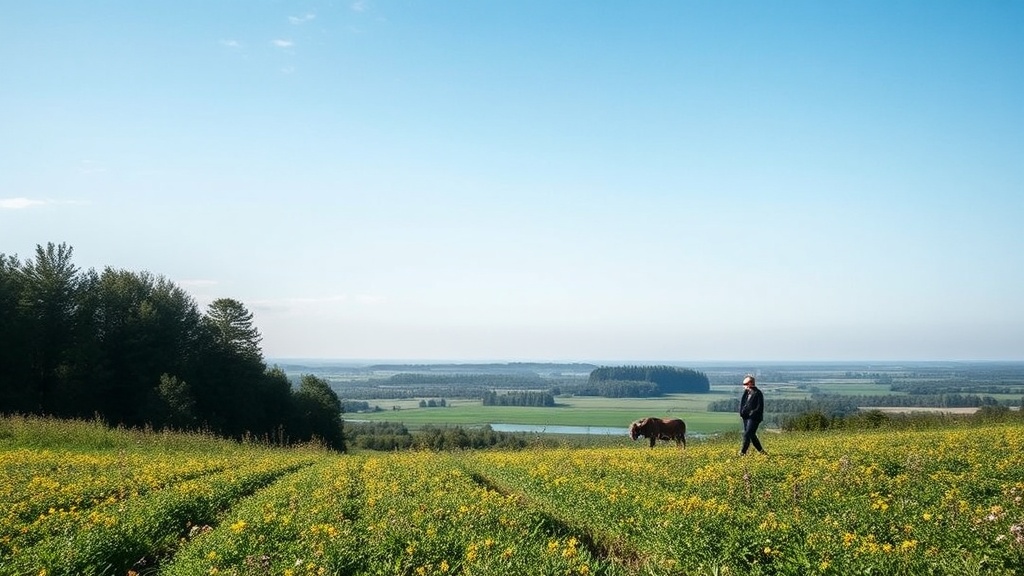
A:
(601, 545)
(149, 561)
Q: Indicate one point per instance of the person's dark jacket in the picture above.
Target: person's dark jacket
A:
(752, 404)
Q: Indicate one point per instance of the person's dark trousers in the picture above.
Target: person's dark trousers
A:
(750, 435)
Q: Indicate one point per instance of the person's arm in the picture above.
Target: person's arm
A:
(757, 408)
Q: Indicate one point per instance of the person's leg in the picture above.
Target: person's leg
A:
(747, 423)
(752, 436)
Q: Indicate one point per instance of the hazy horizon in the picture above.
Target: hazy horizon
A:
(681, 363)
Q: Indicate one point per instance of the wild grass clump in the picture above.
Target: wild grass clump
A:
(46, 433)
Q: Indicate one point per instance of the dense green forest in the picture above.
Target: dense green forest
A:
(134, 349)
(668, 379)
(519, 398)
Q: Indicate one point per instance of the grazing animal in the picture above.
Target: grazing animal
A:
(656, 428)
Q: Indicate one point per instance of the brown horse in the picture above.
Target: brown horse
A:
(656, 428)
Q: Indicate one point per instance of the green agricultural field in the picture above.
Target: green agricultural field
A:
(78, 499)
(572, 411)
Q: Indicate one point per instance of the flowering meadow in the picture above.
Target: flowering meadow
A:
(80, 500)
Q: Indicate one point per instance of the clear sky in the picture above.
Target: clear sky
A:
(524, 180)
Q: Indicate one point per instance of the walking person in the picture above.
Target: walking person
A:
(752, 413)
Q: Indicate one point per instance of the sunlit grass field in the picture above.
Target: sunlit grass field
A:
(81, 499)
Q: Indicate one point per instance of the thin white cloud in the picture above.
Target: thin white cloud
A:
(296, 20)
(197, 283)
(231, 43)
(317, 301)
(283, 43)
(20, 203)
(359, 6)
(90, 167)
(370, 299)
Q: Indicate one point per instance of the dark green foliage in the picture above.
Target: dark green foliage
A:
(519, 398)
(459, 438)
(388, 436)
(617, 389)
(134, 349)
(669, 379)
(378, 435)
(317, 412)
(816, 420)
(233, 328)
(51, 323)
(350, 406)
(812, 421)
(16, 388)
(176, 405)
(142, 328)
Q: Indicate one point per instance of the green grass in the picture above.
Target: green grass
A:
(53, 434)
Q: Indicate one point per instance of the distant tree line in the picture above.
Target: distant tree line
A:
(388, 436)
(350, 406)
(519, 398)
(136, 350)
(433, 403)
(386, 393)
(669, 379)
(469, 386)
(933, 388)
(486, 380)
(816, 420)
(876, 377)
(519, 368)
(419, 385)
(384, 436)
(615, 389)
(841, 405)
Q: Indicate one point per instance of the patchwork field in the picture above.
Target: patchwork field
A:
(80, 499)
(571, 411)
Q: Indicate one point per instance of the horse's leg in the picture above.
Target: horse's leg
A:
(653, 438)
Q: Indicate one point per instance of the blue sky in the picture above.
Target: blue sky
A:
(571, 181)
